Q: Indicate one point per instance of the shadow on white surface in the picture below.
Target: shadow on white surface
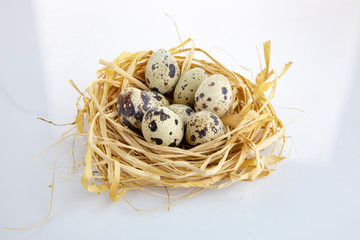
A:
(347, 144)
(22, 84)
(22, 99)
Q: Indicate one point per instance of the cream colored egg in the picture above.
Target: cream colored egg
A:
(202, 127)
(162, 72)
(183, 111)
(214, 94)
(132, 105)
(162, 126)
(187, 85)
(160, 99)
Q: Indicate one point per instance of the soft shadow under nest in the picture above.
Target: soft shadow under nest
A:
(119, 160)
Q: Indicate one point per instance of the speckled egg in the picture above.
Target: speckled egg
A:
(162, 71)
(187, 85)
(183, 111)
(214, 94)
(132, 105)
(159, 99)
(202, 127)
(162, 126)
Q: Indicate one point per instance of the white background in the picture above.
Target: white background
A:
(314, 194)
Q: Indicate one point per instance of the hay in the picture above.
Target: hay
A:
(119, 160)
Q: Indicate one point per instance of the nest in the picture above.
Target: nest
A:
(119, 160)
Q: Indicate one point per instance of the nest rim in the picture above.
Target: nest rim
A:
(119, 160)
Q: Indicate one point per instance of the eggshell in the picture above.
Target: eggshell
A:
(162, 126)
(183, 111)
(159, 99)
(214, 94)
(162, 72)
(202, 127)
(187, 85)
(132, 105)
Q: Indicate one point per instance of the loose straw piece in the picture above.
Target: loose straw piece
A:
(123, 73)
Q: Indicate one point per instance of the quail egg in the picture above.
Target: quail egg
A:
(132, 105)
(162, 71)
(214, 94)
(158, 98)
(187, 85)
(183, 111)
(202, 127)
(162, 126)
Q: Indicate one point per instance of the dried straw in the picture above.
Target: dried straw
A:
(119, 160)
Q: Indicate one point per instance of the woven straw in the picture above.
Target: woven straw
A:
(119, 160)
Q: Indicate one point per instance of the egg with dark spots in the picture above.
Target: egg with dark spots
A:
(158, 98)
(132, 105)
(188, 84)
(162, 126)
(183, 111)
(214, 94)
(202, 127)
(162, 72)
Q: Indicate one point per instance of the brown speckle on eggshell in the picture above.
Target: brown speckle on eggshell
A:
(162, 126)
(202, 127)
(132, 105)
(159, 99)
(187, 85)
(214, 94)
(162, 71)
(183, 111)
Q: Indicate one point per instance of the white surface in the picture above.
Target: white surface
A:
(313, 195)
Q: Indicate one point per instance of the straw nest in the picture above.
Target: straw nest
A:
(119, 160)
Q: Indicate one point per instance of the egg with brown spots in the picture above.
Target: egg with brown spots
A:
(187, 85)
(214, 94)
(162, 72)
(203, 127)
(162, 126)
(183, 111)
(159, 99)
(132, 105)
